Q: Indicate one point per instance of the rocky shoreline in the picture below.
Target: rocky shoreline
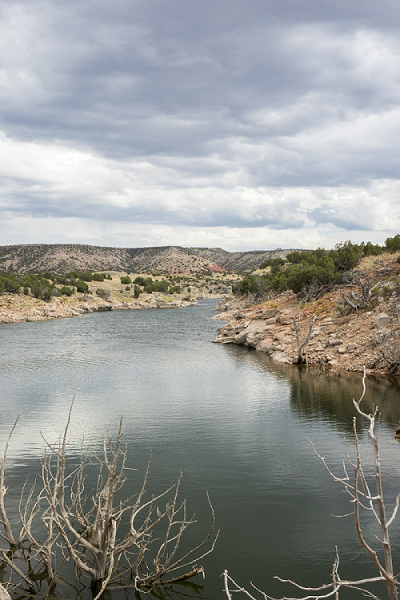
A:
(367, 338)
(18, 309)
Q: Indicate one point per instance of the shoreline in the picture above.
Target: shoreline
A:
(19, 309)
(341, 339)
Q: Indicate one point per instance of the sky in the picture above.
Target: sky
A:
(237, 124)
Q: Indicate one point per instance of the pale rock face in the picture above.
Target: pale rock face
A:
(265, 345)
(382, 320)
(4, 595)
(281, 357)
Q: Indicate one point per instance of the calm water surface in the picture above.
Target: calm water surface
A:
(235, 423)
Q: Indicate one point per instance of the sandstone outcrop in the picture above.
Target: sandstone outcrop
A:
(350, 342)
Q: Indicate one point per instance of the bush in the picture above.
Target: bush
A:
(81, 286)
(371, 249)
(47, 294)
(140, 281)
(9, 283)
(346, 255)
(36, 289)
(66, 291)
(393, 244)
(98, 276)
(86, 276)
(126, 280)
(274, 263)
(105, 294)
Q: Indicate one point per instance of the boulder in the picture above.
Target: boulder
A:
(382, 320)
(333, 341)
(319, 347)
(380, 336)
(281, 357)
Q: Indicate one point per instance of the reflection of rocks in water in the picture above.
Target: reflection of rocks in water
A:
(322, 394)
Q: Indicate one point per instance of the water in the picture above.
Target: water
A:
(235, 423)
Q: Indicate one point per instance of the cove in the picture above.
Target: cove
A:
(233, 421)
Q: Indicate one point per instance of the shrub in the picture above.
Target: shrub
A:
(9, 283)
(47, 294)
(140, 280)
(98, 276)
(36, 289)
(371, 249)
(105, 294)
(66, 291)
(126, 280)
(393, 244)
(81, 286)
(346, 255)
(86, 276)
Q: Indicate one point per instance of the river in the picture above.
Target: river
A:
(235, 423)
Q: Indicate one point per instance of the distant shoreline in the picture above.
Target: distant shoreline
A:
(19, 309)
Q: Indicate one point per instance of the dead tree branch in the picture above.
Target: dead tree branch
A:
(364, 297)
(301, 346)
(83, 527)
(90, 533)
(3, 490)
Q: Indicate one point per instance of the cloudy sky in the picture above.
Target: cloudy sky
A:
(242, 124)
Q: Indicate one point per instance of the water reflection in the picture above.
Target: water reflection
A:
(317, 393)
(234, 421)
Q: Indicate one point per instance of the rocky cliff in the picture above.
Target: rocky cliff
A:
(341, 338)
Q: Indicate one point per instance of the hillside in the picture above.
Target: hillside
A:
(62, 258)
(239, 261)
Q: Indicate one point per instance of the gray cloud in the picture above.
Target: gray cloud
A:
(273, 115)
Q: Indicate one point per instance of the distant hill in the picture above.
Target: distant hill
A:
(62, 258)
(239, 261)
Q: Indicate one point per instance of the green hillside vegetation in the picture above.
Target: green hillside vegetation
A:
(46, 285)
(319, 267)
